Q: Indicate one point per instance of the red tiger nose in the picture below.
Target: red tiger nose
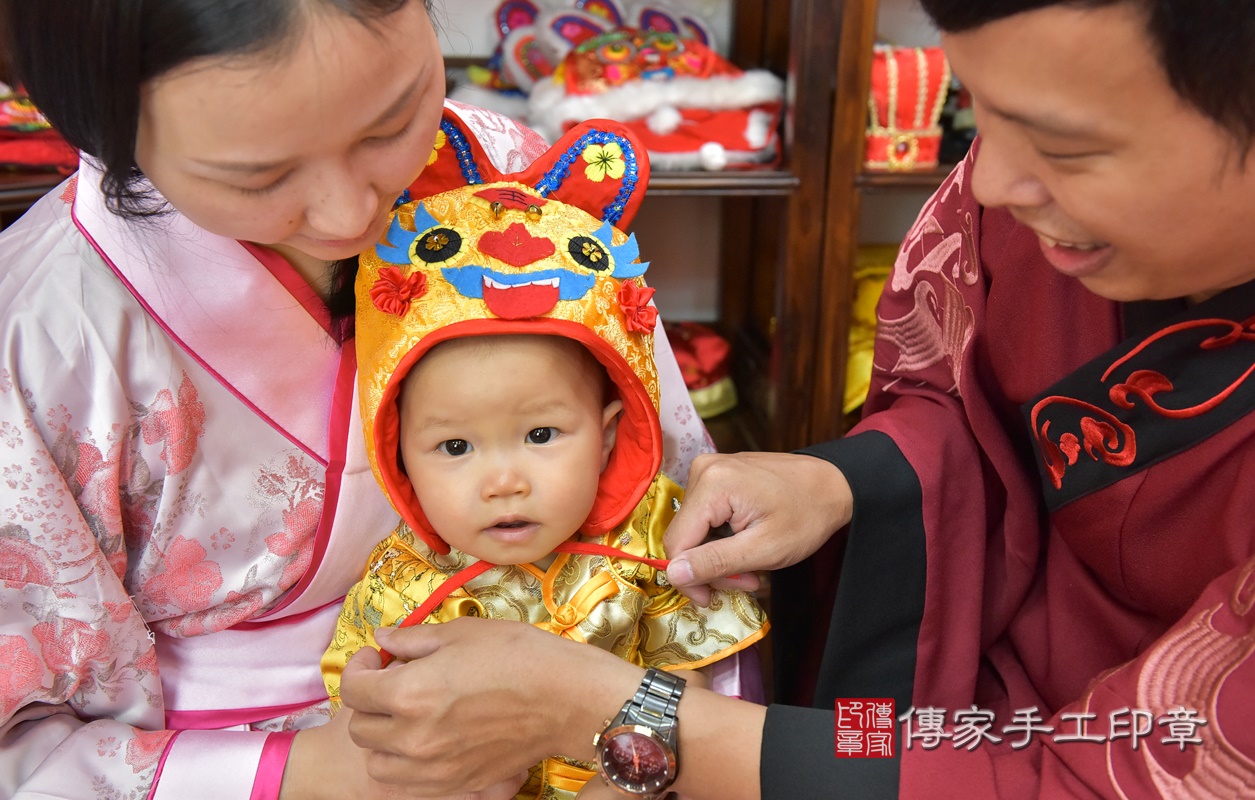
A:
(516, 246)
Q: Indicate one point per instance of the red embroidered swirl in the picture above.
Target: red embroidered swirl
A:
(1106, 438)
(1147, 383)
(1101, 439)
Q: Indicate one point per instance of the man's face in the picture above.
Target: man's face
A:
(1130, 190)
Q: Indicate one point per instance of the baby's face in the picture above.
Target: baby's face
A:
(504, 441)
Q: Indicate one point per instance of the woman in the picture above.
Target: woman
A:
(187, 498)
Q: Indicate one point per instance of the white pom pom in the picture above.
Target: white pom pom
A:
(665, 120)
(713, 156)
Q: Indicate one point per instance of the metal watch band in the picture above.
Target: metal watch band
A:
(655, 701)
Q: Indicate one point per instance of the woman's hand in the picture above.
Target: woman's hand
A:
(780, 507)
(596, 789)
(477, 700)
(325, 756)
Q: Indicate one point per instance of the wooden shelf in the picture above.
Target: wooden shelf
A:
(462, 62)
(19, 189)
(890, 181)
(732, 431)
(744, 183)
(773, 253)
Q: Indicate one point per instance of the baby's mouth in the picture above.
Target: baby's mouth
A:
(516, 531)
(511, 522)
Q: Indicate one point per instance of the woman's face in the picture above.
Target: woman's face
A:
(304, 148)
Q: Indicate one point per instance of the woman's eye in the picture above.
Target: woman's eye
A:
(262, 191)
(389, 138)
(454, 447)
(541, 435)
(1065, 151)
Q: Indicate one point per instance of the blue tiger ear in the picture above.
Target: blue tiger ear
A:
(400, 241)
(624, 255)
(457, 160)
(598, 166)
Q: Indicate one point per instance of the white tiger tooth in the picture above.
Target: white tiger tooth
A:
(492, 284)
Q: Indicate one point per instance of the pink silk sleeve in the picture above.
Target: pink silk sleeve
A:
(740, 676)
(191, 767)
(274, 759)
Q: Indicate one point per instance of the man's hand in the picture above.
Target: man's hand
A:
(780, 508)
(471, 702)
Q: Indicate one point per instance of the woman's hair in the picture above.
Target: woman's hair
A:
(83, 63)
(1207, 47)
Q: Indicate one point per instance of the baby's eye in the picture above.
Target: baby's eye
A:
(454, 447)
(541, 435)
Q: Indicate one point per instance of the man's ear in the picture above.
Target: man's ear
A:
(609, 428)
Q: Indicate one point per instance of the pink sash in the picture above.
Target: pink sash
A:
(275, 666)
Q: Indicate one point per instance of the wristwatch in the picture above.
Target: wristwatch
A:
(636, 753)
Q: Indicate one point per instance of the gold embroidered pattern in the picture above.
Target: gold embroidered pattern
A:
(613, 604)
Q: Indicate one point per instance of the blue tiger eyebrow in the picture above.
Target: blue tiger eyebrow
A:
(397, 250)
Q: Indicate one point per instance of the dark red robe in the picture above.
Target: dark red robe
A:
(1054, 509)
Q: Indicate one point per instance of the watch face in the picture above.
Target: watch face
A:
(636, 761)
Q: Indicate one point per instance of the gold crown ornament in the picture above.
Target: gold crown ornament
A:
(908, 90)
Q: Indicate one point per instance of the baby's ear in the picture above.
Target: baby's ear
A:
(610, 416)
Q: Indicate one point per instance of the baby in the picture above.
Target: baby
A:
(509, 399)
(504, 439)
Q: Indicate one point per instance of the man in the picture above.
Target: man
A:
(1035, 536)
(1051, 540)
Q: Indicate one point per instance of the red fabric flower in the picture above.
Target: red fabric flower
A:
(640, 315)
(393, 292)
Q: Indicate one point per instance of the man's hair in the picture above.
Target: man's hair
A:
(1207, 47)
(84, 62)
